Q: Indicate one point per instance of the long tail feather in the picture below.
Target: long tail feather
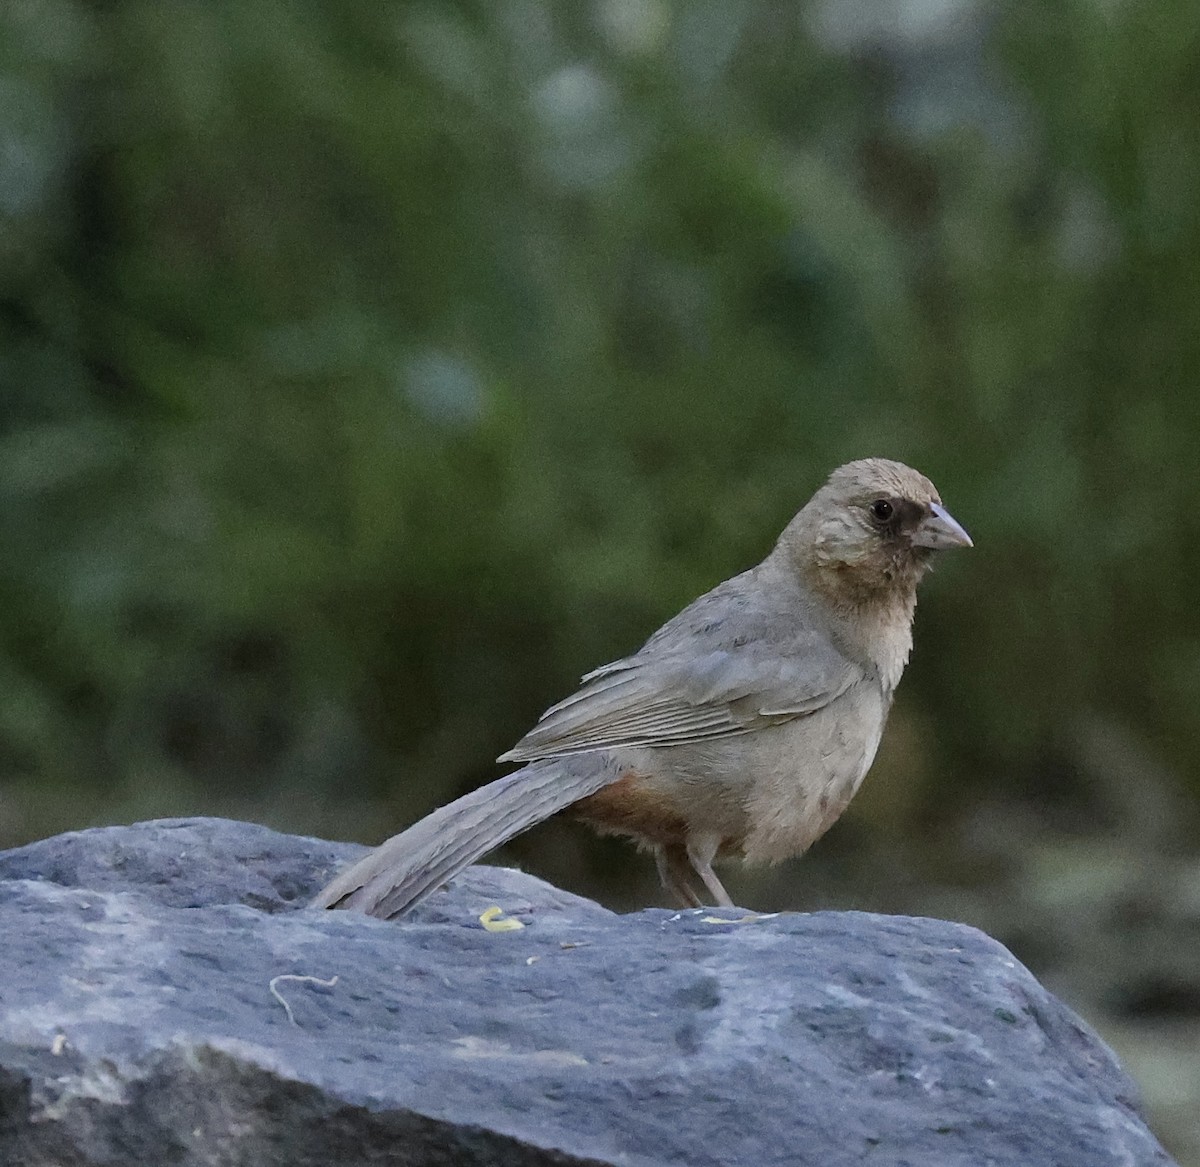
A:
(400, 873)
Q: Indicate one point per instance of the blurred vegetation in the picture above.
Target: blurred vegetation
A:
(368, 372)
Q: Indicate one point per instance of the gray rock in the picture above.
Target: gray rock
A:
(162, 1002)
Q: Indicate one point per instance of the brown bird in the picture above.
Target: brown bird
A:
(742, 727)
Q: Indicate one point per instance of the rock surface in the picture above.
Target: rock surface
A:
(162, 1001)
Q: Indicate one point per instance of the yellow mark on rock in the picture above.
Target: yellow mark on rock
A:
(494, 920)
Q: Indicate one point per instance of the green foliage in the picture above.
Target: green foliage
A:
(368, 372)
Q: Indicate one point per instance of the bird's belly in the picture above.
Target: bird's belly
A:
(806, 777)
(766, 795)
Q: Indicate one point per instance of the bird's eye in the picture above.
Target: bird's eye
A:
(881, 510)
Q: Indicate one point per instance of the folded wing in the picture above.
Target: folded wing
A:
(657, 699)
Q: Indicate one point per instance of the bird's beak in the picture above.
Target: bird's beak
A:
(940, 529)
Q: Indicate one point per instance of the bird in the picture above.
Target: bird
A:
(742, 728)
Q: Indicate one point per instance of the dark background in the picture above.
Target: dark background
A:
(370, 371)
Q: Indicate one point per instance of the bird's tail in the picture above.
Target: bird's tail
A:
(400, 873)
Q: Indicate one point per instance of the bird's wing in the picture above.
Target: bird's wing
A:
(699, 691)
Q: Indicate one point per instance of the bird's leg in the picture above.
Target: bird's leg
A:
(701, 851)
(674, 871)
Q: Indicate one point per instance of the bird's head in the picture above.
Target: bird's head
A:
(871, 530)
